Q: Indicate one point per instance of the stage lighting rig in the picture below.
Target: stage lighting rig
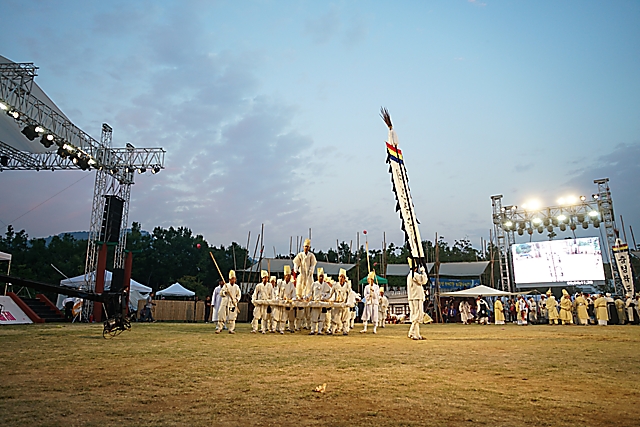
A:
(30, 132)
(567, 214)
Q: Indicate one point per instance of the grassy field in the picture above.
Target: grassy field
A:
(184, 374)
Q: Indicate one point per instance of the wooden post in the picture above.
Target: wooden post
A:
(246, 255)
(100, 270)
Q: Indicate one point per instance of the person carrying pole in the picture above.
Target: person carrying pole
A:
(415, 294)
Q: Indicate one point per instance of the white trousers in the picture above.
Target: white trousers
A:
(417, 315)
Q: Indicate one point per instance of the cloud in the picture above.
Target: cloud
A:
(477, 3)
(521, 168)
(622, 167)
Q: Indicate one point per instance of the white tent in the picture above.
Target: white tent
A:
(137, 290)
(176, 290)
(477, 291)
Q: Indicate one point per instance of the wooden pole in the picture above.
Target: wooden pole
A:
(233, 248)
(358, 259)
(491, 256)
(384, 252)
(624, 231)
(246, 255)
(290, 243)
(437, 290)
(255, 250)
(634, 239)
(350, 249)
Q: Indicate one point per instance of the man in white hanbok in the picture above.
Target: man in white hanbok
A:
(304, 265)
(319, 292)
(415, 294)
(286, 293)
(257, 299)
(339, 294)
(230, 294)
(371, 301)
(215, 301)
(383, 307)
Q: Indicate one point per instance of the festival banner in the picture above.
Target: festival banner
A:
(404, 203)
(621, 255)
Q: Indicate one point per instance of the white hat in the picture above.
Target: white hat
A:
(287, 269)
(342, 272)
(371, 275)
(307, 242)
(272, 279)
(263, 273)
(381, 289)
(320, 271)
(232, 274)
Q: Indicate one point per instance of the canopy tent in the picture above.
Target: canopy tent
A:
(379, 280)
(137, 291)
(176, 290)
(477, 291)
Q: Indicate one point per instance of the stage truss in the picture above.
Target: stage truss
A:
(70, 148)
(511, 220)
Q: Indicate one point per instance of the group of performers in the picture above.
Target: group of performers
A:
(583, 309)
(322, 306)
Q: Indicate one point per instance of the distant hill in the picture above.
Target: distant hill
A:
(84, 235)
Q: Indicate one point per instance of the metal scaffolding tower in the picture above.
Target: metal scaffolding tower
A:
(65, 146)
(509, 220)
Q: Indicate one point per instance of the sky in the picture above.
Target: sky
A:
(269, 111)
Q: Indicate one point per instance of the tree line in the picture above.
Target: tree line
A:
(170, 255)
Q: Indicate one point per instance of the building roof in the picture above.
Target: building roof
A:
(449, 269)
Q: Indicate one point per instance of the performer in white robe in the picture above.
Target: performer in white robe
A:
(523, 310)
(215, 302)
(339, 294)
(286, 294)
(465, 312)
(319, 292)
(383, 308)
(371, 301)
(304, 265)
(415, 294)
(542, 305)
(259, 309)
(271, 289)
(329, 310)
(230, 294)
(352, 305)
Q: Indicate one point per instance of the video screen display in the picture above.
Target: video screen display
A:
(558, 262)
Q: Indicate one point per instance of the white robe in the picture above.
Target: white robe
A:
(371, 301)
(304, 265)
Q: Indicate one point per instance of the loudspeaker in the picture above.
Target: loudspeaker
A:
(111, 219)
(117, 280)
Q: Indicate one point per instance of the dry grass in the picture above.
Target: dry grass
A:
(184, 374)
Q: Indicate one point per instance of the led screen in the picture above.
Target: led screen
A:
(570, 261)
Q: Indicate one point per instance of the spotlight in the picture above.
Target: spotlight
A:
(595, 196)
(582, 198)
(593, 214)
(142, 170)
(536, 221)
(520, 231)
(522, 225)
(4, 160)
(596, 223)
(563, 227)
(572, 227)
(550, 228)
(47, 140)
(39, 129)
(508, 224)
(62, 152)
(30, 132)
(580, 217)
(530, 230)
(585, 225)
(532, 205)
(114, 170)
(3, 106)
(14, 114)
(571, 200)
(156, 169)
(562, 218)
(546, 221)
(561, 201)
(540, 230)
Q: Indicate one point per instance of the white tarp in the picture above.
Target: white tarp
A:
(137, 290)
(176, 290)
(476, 291)
(11, 314)
(5, 256)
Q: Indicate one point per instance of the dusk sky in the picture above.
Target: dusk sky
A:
(269, 111)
